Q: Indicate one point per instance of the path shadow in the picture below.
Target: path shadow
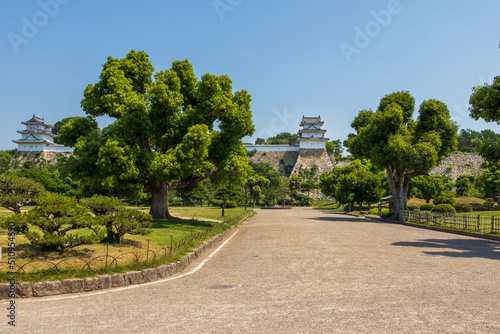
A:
(464, 248)
(340, 217)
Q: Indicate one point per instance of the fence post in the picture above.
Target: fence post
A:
(147, 254)
(478, 222)
(171, 241)
(465, 221)
(107, 251)
(492, 224)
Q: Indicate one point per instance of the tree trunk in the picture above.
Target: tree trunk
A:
(159, 203)
(398, 184)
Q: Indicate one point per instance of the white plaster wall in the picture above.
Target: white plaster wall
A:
(312, 144)
(272, 147)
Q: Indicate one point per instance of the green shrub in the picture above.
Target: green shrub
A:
(385, 211)
(446, 197)
(231, 204)
(462, 207)
(427, 207)
(302, 200)
(216, 202)
(413, 207)
(386, 214)
(488, 205)
(444, 208)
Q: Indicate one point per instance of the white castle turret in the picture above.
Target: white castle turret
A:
(38, 137)
(311, 136)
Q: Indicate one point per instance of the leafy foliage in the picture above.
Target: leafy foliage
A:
(485, 102)
(464, 185)
(335, 147)
(356, 182)
(117, 219)
(427, 207)
(15, 191)
(491, 180)
(284, 138)
(445, 197)
(469, 141)
(406, 148)
(56, 215)
(444, 208)
(50, 177)
(5, 158)
(170, 132)
(427, 187)
(462, 207)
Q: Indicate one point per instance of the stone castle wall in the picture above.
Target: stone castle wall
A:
(289, 162)
(455, 165)
(38, 158)
(459, 164)
(308, 158)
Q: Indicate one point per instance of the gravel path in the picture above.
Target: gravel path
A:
(302, 271)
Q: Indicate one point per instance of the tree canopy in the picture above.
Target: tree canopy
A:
(171, 130)
(391, 139)
(357, 182)
(485, 102)
(15, 191)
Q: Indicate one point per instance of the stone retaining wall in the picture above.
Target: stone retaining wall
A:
(313, 157)
(459, 164)
(77, 285)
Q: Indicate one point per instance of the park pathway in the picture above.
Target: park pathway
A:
(302, 271)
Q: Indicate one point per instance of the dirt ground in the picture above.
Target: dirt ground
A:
(301, 271)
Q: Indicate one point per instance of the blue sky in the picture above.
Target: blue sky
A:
(328, 58)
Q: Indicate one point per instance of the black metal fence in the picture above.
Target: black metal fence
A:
(469, 222)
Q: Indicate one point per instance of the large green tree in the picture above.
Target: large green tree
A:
(391, 139)
(171, 130)
(485, 104)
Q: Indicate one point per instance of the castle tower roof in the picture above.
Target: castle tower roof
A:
(37, 121)
(311, 121)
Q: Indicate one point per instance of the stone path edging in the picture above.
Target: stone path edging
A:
(102, 282)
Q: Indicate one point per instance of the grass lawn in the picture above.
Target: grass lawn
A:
(5, 212)
(163, 233)
(196, 212)
(486, 213)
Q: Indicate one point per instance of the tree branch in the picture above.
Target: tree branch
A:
(183, 184)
